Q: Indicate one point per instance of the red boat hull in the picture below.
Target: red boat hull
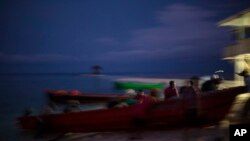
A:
(60, 96)
(166, 114)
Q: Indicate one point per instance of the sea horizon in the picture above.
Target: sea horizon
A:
(227, 76)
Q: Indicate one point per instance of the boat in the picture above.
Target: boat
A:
(160, 115)
(62, 96)
(137, 85)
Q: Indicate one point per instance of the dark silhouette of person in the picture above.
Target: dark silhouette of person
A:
(212, 84)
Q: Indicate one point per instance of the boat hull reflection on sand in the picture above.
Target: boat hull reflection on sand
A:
(213, 107)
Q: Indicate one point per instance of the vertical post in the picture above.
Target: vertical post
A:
(238, 67)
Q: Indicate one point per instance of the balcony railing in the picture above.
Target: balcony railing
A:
(242, 47)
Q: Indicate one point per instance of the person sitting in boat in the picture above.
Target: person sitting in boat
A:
(171, 91)
(118, 103)
(131, 97)
(140, 96)
(147, 99)
(154, 95)
(212, 84)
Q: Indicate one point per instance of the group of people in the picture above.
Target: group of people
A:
(134, 97)
(190, 93)
(170, 92)
(209, 85)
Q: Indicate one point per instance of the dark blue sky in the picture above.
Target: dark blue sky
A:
(164, 36)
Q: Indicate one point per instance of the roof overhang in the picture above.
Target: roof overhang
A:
(240, 19)
(241, 56)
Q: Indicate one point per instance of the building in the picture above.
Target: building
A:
(239, 51)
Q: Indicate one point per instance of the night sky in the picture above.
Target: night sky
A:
(163, 36)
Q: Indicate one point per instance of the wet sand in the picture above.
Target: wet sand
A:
(188, 134)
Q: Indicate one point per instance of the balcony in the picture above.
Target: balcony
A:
(242, 47)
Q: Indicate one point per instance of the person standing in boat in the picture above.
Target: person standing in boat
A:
(187, 84)
(191, 99)
(141, 111)
(195, 83)
(171, 91)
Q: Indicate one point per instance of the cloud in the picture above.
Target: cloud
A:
(107, 41)
(181, 14)
(179, 24)
(182, 31)
(35, 58)
(128, 55)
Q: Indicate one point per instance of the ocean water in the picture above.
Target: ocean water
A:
(21, 91)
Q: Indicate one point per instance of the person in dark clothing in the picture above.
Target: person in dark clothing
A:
(211, 84)
(191, 104)
(189, 83)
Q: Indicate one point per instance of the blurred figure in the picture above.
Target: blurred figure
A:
(28, 111)
(113, 103)
(246, 109)
(141, 110)
(131, 100)
(72, 106)
(195, 83)
(245, 74)
(191, 94)
(49, 108)
(154, 95)
(212, 84)
(187, 84)
(140, 96)
(171, 91)
(130, 93)
(191, 104)
(42, 125)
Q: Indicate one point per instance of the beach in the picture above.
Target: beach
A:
(188, 134)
